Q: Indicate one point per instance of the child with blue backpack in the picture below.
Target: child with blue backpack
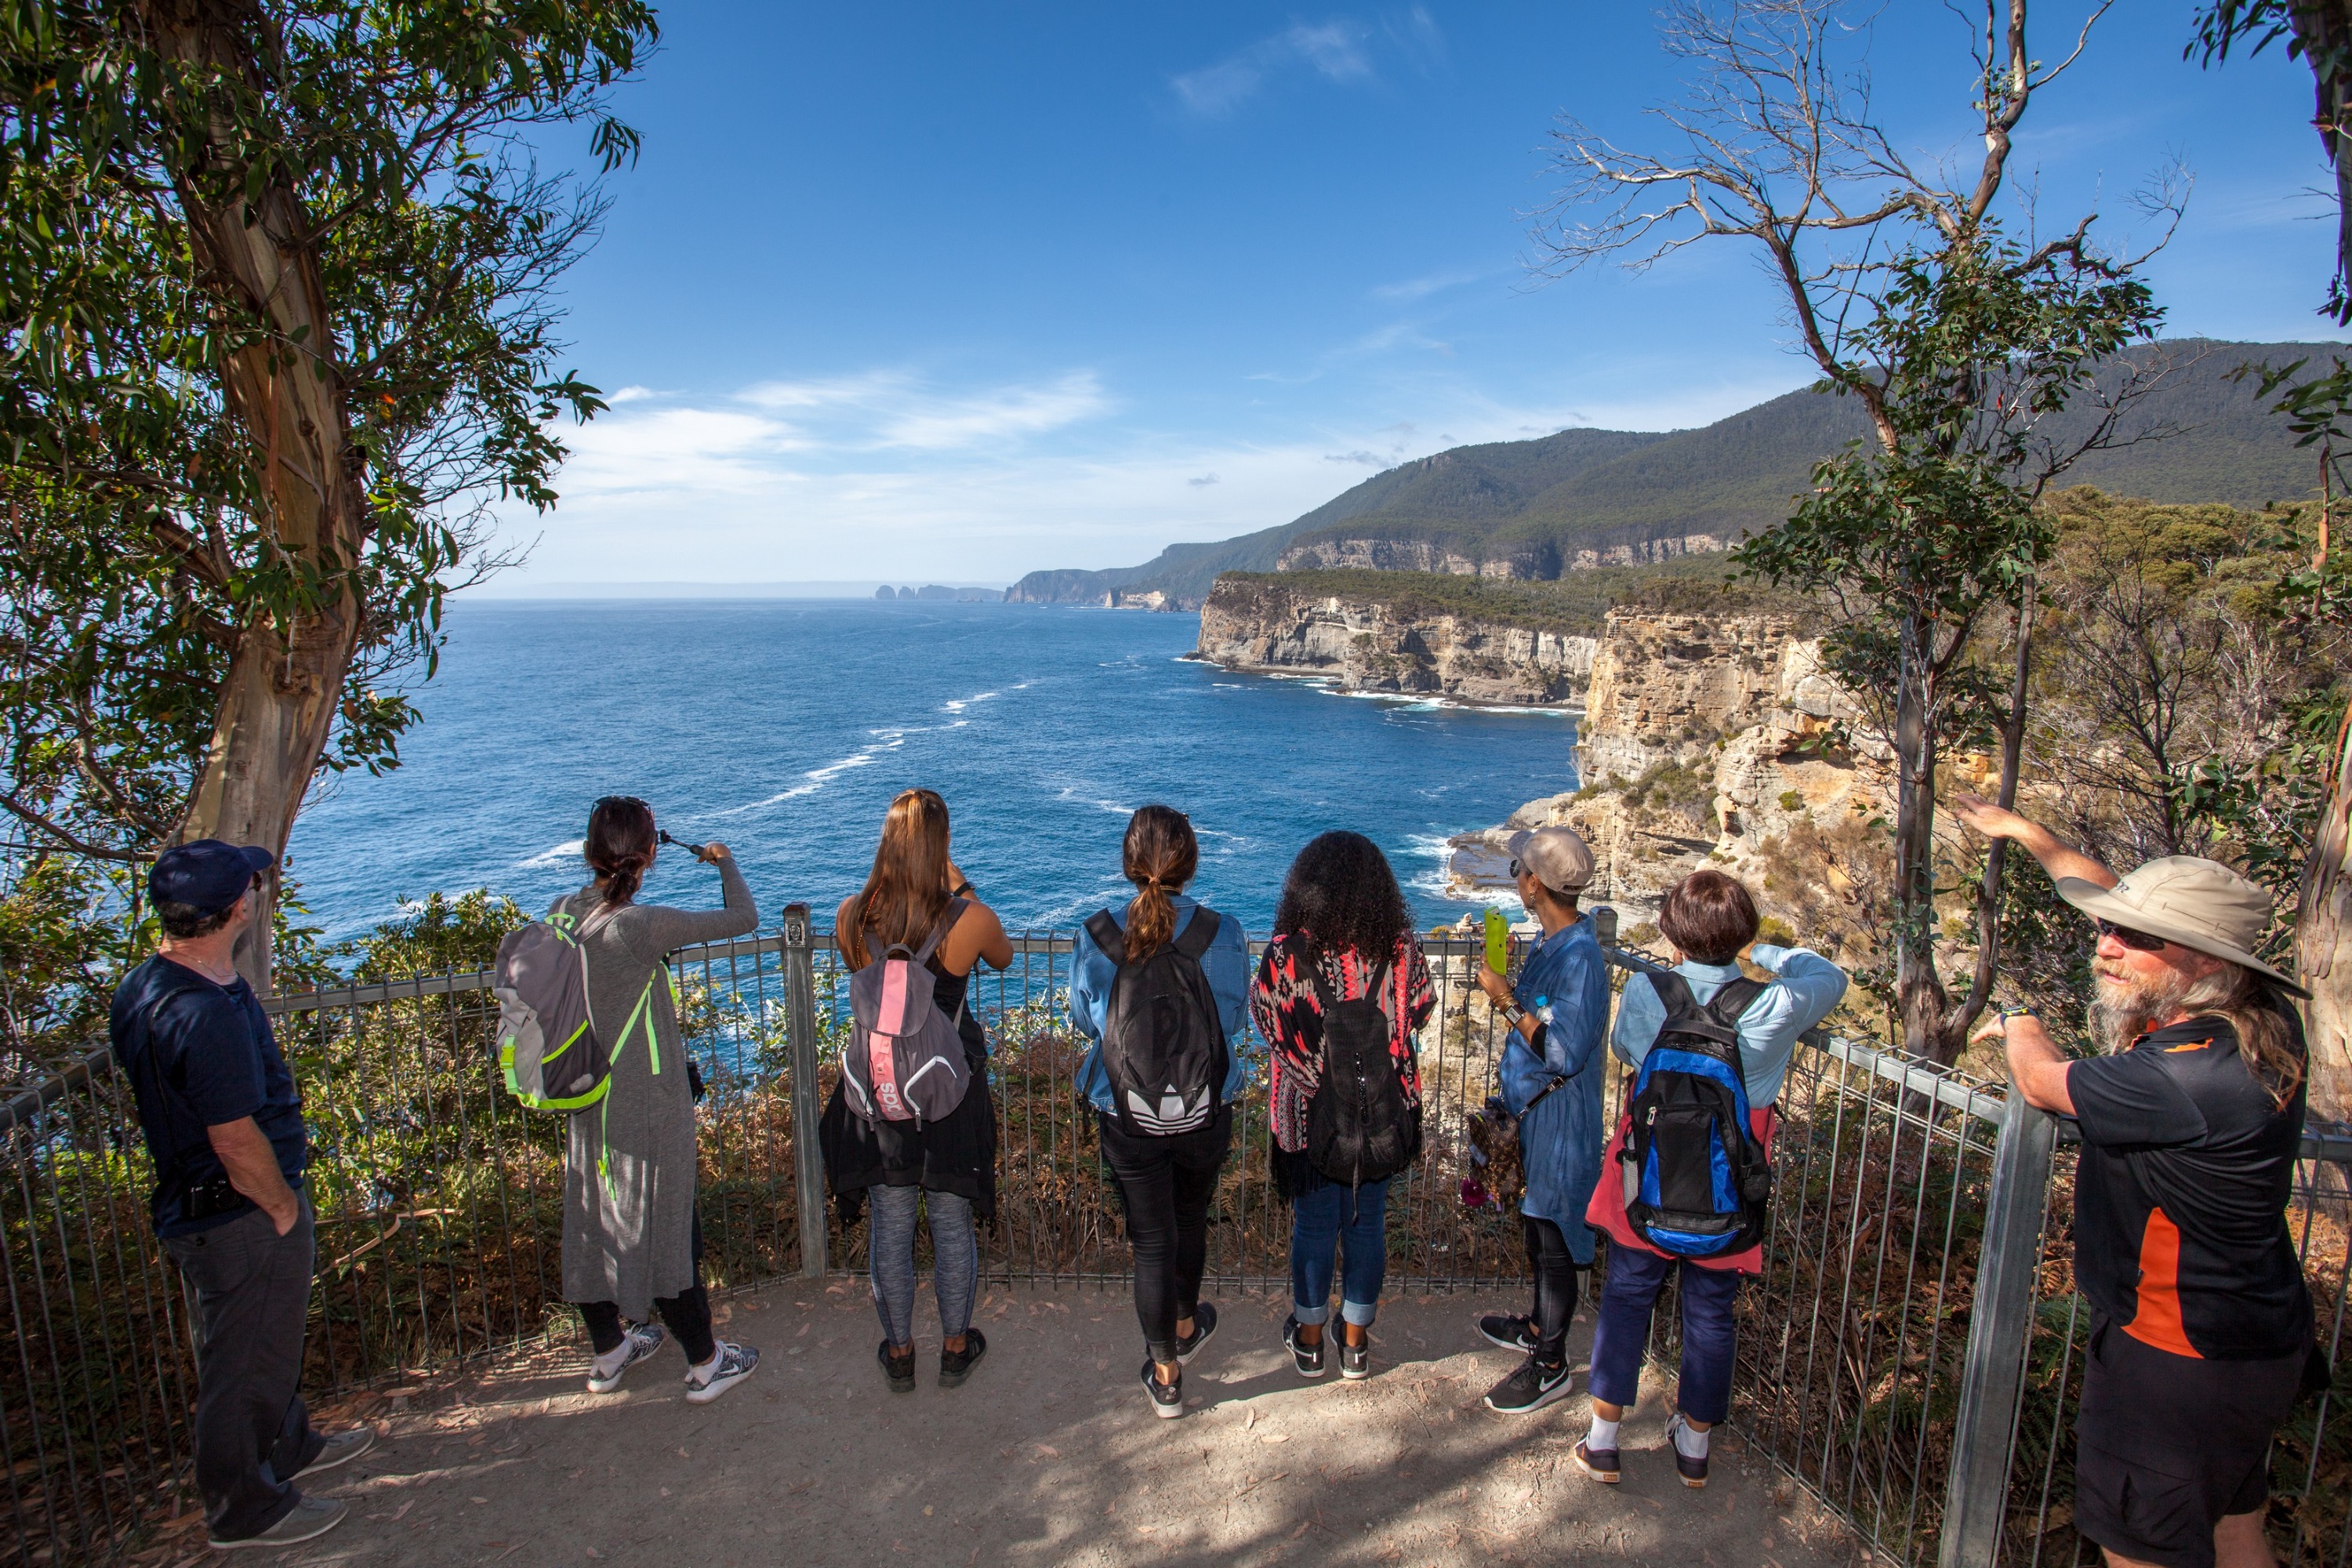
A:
(1703, 1006)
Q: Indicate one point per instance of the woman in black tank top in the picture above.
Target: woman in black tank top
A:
(948, 1166)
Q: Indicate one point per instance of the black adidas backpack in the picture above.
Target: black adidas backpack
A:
(1163, 1044)
(1358, 1127)
(1696, 1181)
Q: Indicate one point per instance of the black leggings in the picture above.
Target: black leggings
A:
(688, 1314)
(1164, 1185)
(1554, 1273)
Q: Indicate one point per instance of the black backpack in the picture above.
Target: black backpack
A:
(1358, 1127)
(1162, 1043)
(1696, 1181)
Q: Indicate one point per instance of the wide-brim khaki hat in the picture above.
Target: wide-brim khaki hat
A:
(1559, 860)
(2200, 904)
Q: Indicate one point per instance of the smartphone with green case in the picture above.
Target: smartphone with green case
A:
(1498, 942)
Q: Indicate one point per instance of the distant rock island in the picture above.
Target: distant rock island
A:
(933, 592)
(1582, 500)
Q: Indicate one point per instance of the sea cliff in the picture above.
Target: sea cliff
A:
(1367, 643)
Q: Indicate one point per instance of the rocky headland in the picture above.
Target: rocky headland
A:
(1402, 644)
(1719, 740)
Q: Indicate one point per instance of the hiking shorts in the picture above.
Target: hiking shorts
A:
(2171, 1445)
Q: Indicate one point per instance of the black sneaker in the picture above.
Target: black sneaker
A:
(1531, 1387)
(1308, 1358)
(1507, 1332)
(1167, 1398)
(956, 1365)
(898, 1368)
(1204, 1323)
(1692, 1471)
(1355, 1360)
(1600, 1464)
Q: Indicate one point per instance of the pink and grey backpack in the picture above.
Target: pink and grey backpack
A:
(905, 1060)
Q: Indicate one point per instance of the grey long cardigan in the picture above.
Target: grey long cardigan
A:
(628, 1178)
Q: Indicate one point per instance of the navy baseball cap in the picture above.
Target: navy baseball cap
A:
(208, 876)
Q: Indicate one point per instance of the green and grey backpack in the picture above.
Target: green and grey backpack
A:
(549, 1052)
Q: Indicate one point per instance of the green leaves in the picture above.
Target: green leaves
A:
(386, 146)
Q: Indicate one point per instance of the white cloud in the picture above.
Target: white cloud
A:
(1333, 51)
(887, 474)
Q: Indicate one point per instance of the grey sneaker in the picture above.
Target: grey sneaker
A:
(1355, 1360)
(342, 1449)
(1507, 1332)
(735, 1364)
(311, 1517)
(1204, 1323)
(636, 1344)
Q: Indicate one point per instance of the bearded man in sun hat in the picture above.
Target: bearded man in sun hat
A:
(2191, 1117)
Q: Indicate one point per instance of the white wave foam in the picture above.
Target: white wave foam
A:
(960, 703)
(569, 850)
(817, 778)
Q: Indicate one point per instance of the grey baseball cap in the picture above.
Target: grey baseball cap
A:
(1559, 860)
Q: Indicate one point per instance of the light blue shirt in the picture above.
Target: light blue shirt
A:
(1226, 965)
(1805, 988)
(1560, 1137)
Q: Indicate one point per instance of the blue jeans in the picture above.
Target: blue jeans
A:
(890, 1252)
(1636, 1274)
(1332, 1218)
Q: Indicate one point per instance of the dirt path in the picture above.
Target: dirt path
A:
(1049, 1455)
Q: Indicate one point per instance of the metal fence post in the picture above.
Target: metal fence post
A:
(1992, 1378)
(800, 1023)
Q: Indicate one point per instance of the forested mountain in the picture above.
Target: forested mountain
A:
(1591, 498)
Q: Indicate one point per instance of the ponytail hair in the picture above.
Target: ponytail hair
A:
(1160, 856)
(620, 845)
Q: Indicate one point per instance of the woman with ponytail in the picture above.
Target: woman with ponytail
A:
(946, 1168)
(632, 1242)
(1161, 989)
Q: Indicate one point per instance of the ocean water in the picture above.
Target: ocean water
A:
(783, 728)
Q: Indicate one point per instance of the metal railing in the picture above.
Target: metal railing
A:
(1909, 1355)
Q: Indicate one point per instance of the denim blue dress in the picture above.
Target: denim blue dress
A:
(1560, 1139)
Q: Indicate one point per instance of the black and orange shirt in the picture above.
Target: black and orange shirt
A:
(2180, 1231)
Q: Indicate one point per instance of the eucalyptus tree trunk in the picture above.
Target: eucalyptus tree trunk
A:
(2323, 940)
(1920, 999)
(277, 706)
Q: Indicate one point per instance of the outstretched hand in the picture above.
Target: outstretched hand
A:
(1992, 821)
(711, 853)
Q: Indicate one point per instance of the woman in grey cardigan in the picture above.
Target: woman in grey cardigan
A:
(631, 1241)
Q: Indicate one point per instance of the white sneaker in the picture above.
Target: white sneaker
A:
(735, 1364)
(636, 1345)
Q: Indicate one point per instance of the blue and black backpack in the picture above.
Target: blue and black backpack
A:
(1696, 1181)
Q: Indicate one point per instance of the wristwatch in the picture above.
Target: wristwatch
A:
(1511, 1011)
(2008, 1014)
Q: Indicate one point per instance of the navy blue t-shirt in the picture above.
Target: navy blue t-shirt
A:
(199, 1055)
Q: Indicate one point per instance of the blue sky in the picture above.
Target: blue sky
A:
(945, 292)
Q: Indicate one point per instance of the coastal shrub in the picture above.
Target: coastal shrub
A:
(1777, 932)
(1670, 786)
(1791, 800)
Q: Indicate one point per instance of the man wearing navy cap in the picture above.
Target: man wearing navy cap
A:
(224, 1127)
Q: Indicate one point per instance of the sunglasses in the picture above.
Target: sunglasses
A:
(2138, 940)
(1515, 868)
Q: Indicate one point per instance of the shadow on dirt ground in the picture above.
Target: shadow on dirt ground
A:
(1049, 1455)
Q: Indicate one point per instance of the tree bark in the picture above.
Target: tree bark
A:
(2322, 941)
(2324, 28)
(277, 704)
(1920, 998)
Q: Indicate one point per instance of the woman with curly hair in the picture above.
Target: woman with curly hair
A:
(1342, 960)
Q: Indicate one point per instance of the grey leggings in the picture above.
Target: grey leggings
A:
(890, 1246)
